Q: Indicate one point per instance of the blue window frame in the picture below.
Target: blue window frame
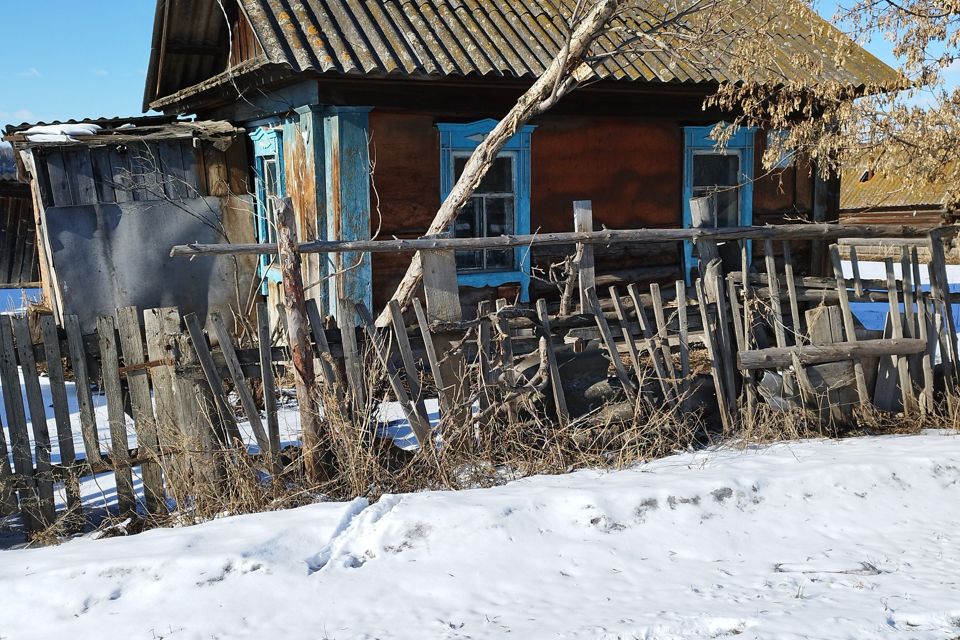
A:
(270, 181)
(500, 205)
(725, 173)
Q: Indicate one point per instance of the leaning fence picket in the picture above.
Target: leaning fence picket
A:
(119, 444)
(38, 420)
(61, 411)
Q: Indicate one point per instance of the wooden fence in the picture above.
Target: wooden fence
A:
(181, 384)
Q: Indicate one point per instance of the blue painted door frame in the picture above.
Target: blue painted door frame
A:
(456, 138)
(267, 141)
(697, 139)
(337, 139)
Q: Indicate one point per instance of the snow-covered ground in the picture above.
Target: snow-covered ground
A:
(820, 539)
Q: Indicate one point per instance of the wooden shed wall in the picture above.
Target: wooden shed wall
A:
(18, 236)
(170, 178)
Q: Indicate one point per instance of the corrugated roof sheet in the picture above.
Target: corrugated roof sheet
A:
(431, 38)
(483, 37)
(880, 191)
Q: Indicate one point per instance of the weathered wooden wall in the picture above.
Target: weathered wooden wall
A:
(631, 168)
(162, 185)
(18, 237)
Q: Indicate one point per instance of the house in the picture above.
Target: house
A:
(111, 196)
(364, 112)
(18, 259)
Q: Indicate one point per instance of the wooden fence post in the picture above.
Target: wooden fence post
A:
(298, 331)
(442, 293)
(131, 343)
(586, 273)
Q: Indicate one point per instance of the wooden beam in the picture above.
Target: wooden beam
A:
(821, 353)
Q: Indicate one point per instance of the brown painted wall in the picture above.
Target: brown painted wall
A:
(631, 168)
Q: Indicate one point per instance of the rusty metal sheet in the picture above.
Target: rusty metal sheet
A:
(109, 256)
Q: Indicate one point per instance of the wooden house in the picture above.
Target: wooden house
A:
(363, 112)
(111, 196)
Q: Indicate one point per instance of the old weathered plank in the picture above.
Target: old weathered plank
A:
(556, 384)
(78, 360)
(418, 421)
(269, 383)
(324, 355)
(855, 267)
(586, 272)
(38, 419)
(774, 284)
(161, 326)
(726, 416)
(662, 336)
(506, 356)
(406, 355)
(926, 361)
(608, 341)
(61, 409)
(655, 353)
(684, 344)
(240, 383)
(119, 443)
(792, 292)
(431, 351)
(442, 293)
(903, 366)
(850, 328)
(230, 435)
(138, 384)
(817, 354)
(17, 423)
(622, 319)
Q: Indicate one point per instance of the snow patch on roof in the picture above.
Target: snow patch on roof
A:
(61, 132)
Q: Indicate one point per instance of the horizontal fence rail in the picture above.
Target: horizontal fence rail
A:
(608, 236)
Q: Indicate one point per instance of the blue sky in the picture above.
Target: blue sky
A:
(62, 59)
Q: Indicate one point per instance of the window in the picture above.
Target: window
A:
(499, 206)
(718, 175)
(491, 211)
(270, 184)
(270, 189)
(726, 174)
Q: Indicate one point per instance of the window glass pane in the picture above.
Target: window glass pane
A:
(271, 189)
(490, 212)
(500, 259)
(711, 169)
(467, 224)
(500, 216)
(717, 175)
(728, 208)
(499, 178)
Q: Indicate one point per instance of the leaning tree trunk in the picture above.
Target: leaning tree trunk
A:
(563, 74)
